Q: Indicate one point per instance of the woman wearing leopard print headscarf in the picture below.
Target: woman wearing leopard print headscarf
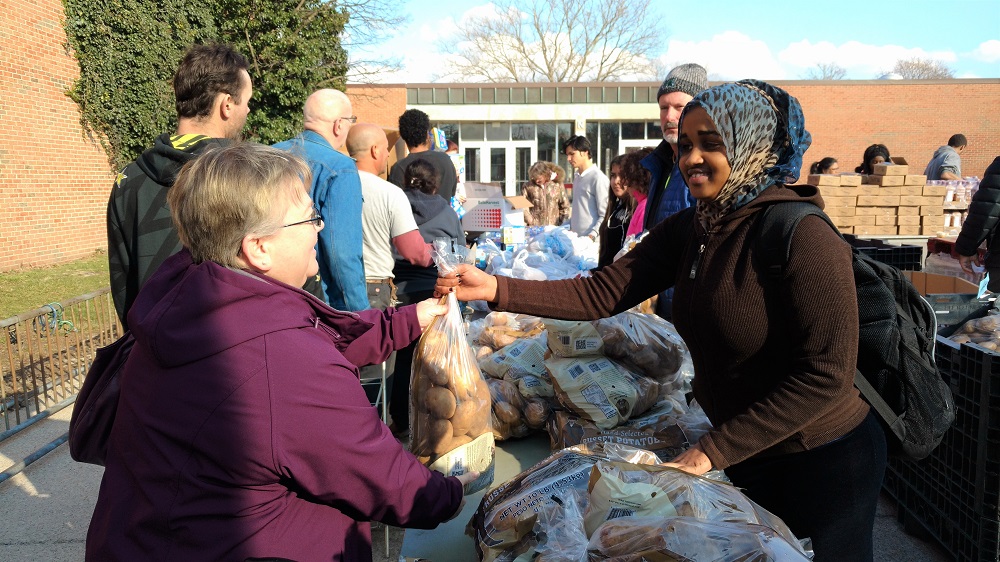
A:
(774, 375)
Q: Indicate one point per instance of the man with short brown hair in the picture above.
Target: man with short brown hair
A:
(212, 89)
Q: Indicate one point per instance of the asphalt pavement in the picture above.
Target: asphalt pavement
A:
(48, 505)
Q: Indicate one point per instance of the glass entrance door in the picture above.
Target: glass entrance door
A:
(505, 163)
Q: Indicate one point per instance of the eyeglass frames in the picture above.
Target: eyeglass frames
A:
(316, 219)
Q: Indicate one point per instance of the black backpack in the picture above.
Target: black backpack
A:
(896, 372)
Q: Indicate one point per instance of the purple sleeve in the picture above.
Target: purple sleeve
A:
(330, 442)
(393, 329)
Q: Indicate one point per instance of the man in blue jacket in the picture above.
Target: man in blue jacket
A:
(667, 192)
(336, 192)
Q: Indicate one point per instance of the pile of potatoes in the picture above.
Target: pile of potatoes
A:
(513, 414)
(984, 332)
(449, 400)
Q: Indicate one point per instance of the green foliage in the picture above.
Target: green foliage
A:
(128, 51)
(293, 49)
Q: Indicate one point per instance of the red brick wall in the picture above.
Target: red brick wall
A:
(381, 105)
(54, 182)
(911, 118)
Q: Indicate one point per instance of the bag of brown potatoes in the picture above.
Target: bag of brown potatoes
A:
(450, 403)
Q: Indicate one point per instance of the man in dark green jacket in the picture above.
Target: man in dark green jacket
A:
(212, 89)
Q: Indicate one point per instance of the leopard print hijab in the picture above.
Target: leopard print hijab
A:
(763, 130)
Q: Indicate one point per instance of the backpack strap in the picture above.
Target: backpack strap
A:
(775, 229)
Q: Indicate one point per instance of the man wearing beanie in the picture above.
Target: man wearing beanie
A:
(667, 192)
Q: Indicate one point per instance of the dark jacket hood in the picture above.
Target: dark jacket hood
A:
(775, 194)
(425, 207)
(176, 314)
(165, 158)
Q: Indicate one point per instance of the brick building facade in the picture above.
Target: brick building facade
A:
(54, 180)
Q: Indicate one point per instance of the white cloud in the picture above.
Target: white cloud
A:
(987, 51)
(729, 55)
(862, 61)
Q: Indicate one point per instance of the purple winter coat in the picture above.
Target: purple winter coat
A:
(243, 431)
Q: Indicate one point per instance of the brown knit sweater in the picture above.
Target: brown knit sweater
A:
(773, 379)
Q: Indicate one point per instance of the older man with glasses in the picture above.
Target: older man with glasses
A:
(336, 190)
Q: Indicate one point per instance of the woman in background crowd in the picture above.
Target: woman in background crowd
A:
(621, 205)
(549, 201)
(827, 165)
(635, 177)
(774, 372)
(242, 431)
(435, 219)
(874, 154)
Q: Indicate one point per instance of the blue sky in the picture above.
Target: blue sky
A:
(740, 39)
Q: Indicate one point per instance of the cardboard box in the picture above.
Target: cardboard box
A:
(937, 284)
(929, 231)
(874, 190)
(490, 210)
(891, 168)
(935, 190)
(865, 220)
(908, 211)
(875, 230)
(908, 230)
(823, 179)
(914, 179)
(833, 201)
(842, 211)
(842, 191)
(878, 201)
(931, 210)
(874, 211)
(845, 229)
(850, 179)
(889, 180)
(908, 220)
(912, 190)
(933, 200)
(885, 221)
(841, 220)
(932, 220)
(911, 201)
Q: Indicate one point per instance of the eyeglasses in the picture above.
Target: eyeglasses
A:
(353, 119)
(316, 219)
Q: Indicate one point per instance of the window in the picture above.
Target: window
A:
(522, 131)
(497, 131)
(633, 131)
(653, 131)
(609, 140)
(473, 131)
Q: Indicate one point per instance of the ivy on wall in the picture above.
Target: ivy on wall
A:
(128, 51)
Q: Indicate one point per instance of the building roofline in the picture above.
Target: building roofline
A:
(897, 82)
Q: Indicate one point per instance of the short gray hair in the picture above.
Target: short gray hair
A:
(230, 192)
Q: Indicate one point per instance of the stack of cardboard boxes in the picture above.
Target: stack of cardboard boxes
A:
(887, 203)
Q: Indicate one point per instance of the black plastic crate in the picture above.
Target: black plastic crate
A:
(953, 309)
(964, 535)
(907, 257)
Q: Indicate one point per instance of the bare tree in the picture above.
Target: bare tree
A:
(558, 41)
(369, 25)
(922, 69)
(827, 71)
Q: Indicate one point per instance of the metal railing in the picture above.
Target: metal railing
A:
(46, 353)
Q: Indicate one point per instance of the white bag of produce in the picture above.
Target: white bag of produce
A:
(568, 338)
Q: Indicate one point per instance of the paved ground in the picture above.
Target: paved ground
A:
(47, 507)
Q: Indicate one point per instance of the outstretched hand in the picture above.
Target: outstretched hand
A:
(465, 479)
(428, 310)
(468, 283)
(693, 461)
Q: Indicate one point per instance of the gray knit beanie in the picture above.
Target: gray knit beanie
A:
(689, 78)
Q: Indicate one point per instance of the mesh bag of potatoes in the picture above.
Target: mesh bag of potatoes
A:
(513, 414)
(600, 390)
(619, 489)
(657, 539)
(984, 332)
(450, 403)
(648, 345)
(500, 329)
(503, 527)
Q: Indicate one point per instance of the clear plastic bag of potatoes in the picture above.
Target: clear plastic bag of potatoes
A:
(450, 402)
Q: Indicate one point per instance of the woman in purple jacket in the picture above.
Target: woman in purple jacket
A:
(242, 430)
